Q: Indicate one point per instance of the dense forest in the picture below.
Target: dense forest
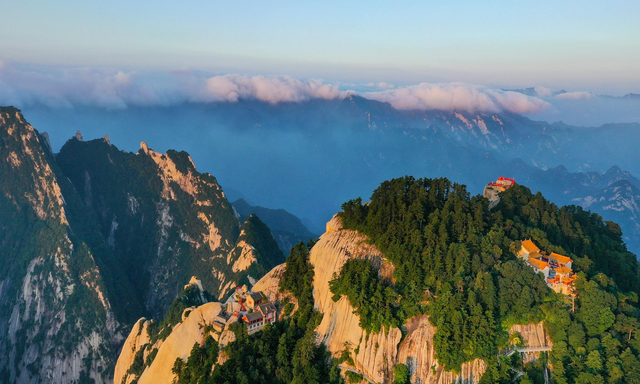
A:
(455, 260)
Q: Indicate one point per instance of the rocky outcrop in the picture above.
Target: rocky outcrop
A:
(246, 258)
(177, 345)
(269, 284)
(375, 355)
(138, 338)
(418, 353)
(184, 335)
(533, 335)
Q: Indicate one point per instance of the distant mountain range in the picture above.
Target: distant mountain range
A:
(312, 156)
(531, 91)
(286, 228)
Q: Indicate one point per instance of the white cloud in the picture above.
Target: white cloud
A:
(458, 96)
(269, 89)
(24, 85)
(66, 87)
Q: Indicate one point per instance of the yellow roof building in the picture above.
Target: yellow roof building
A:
(560, 259)
(563, 270)
(537, 263)
(530, 247)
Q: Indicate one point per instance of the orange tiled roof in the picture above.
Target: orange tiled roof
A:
(563, 270)
(559, 258)
(537, 263)
(535, 255)
(530, 246)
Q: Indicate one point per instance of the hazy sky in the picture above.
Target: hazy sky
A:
(576, 45)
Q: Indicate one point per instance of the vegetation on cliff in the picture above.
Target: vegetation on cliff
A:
(287, 229)
(56, 275)
(454, 259)
(285, 352)
(93, 238)
(144, 223)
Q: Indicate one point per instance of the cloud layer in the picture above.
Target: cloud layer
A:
(269, 89)
(26, 85)
(458, 96)
(67, 87)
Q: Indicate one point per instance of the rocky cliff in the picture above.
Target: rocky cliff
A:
(375, 355)
(178, 344)
(93, 238)
(165, 221)
(194, 328)
(57, 324)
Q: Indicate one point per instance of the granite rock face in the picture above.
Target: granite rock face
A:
(377, 354)
(177, 345)
(57, 323)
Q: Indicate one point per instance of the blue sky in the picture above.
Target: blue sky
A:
(576, 45)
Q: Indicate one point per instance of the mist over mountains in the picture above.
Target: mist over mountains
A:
(309, 157)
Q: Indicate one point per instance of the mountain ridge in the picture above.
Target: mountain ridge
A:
(92, 238)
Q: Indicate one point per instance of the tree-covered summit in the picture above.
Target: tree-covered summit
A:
(455, 260)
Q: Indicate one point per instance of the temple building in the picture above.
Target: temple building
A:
(556, 268)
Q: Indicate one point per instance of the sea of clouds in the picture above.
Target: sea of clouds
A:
(26, 85)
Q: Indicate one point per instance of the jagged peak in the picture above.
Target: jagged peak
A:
(195, 282)
(613, 170)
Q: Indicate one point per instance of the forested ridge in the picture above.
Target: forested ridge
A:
(455, 261)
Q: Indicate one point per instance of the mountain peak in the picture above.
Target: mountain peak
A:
(613, 170)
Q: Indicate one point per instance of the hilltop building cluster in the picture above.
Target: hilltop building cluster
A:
(556, 268)
(252, 307)
(492, 190)
(503, 183)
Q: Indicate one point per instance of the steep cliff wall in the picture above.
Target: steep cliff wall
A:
(93, 238)
(376, 354)
(136, 340)
(183, 336)
(57, 324)
(177, 345)
(418, 353)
